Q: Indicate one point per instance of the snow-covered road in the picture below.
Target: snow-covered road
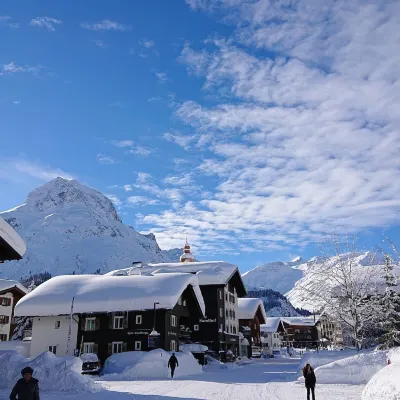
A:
(263, 380)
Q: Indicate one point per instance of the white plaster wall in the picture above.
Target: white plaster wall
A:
(44, 335)
(5, 328)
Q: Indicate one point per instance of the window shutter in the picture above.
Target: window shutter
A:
(7, 319)
(109, 349)
(124, 347)
(95, 348)
(111, 321)
(82, 324)
(97, 323)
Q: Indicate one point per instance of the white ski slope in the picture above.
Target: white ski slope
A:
(263, 380)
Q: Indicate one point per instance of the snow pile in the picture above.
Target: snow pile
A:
(322, 358)
(356, 370)
(385, 384)
(54, 373)
(193, 347)
(21, 347)
(133, 365)
(89, 357)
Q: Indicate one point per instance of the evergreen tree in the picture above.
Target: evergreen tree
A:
(390, 303)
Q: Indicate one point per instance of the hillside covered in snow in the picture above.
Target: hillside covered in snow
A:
(70, 228)
(299, 279)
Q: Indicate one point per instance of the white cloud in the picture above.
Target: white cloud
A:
(155, 98)
(107, 25)
(100, 43)
(181, 140)
(104, 159)
(16, 102)
(148, 44)
(161, 76)
(128, 188)
(305, 134)
(117, 104)
(45, 22)
(141, 201)
(140, 151)
(115, 199)
(21, 170)
(12, 68)
(122, 143)
(6, 20)
(179, 180)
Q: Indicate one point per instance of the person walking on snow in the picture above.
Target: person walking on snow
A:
(310, 380)
(173, 363)
(27, 388)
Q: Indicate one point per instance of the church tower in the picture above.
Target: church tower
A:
(187, 256)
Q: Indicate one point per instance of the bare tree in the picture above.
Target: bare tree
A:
(339, 285)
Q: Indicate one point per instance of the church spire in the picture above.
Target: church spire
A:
(187, 256)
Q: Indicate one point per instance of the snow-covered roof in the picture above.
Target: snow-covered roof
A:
(193, 347)
(300, 321)
(209, 272)
(101, 293)
(271, 325)
(247, 308)
(11, 241)
(6, 284)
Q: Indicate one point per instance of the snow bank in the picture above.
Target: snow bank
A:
(21, 347)
(356, 370)
(153, 364)
(54, 373)
(322, 358)
(385, 384)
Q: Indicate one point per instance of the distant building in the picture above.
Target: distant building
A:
(12, 247)
(10, 293)
(251, 315)
(299, 332)
(187, 255)
(329, 330)
(272, 335)
(111, 314)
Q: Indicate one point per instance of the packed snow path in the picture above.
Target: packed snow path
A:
(263, 380)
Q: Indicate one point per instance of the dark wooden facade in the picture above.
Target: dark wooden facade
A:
(135, 327)
(17, 295)
(300, 336)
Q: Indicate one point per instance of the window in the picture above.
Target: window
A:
(233, 313)
(88, 348)
(118, 322)
(196, 327)
(139, 319)
(3, 338)
(116, 347)
(4, 319)
(173, 320)
(184, 303)
(138, 345)
(220, 294)
(180, 301)
(227, 313)
(53, 349)
(234, 330)
(173, 345)
(90, 324)
(57, 325)
(221, 312)
(226, 296)
(5, 301)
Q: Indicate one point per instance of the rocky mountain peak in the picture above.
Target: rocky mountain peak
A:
(62, 193)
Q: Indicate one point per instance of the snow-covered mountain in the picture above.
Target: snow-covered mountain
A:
(298, 279)
(275, 303)
(71, 228)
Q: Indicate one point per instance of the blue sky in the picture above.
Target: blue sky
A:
(254, 126)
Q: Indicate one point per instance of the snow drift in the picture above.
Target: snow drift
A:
(21, 347)
(356, 370)
(134, 365)
(54, 373)
(385, 384)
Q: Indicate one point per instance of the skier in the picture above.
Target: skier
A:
(310, 380)
(173, 363)
(27, 388)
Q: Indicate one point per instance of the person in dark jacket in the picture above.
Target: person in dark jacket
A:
(173, 363)
(27, 388)
(310, 380)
